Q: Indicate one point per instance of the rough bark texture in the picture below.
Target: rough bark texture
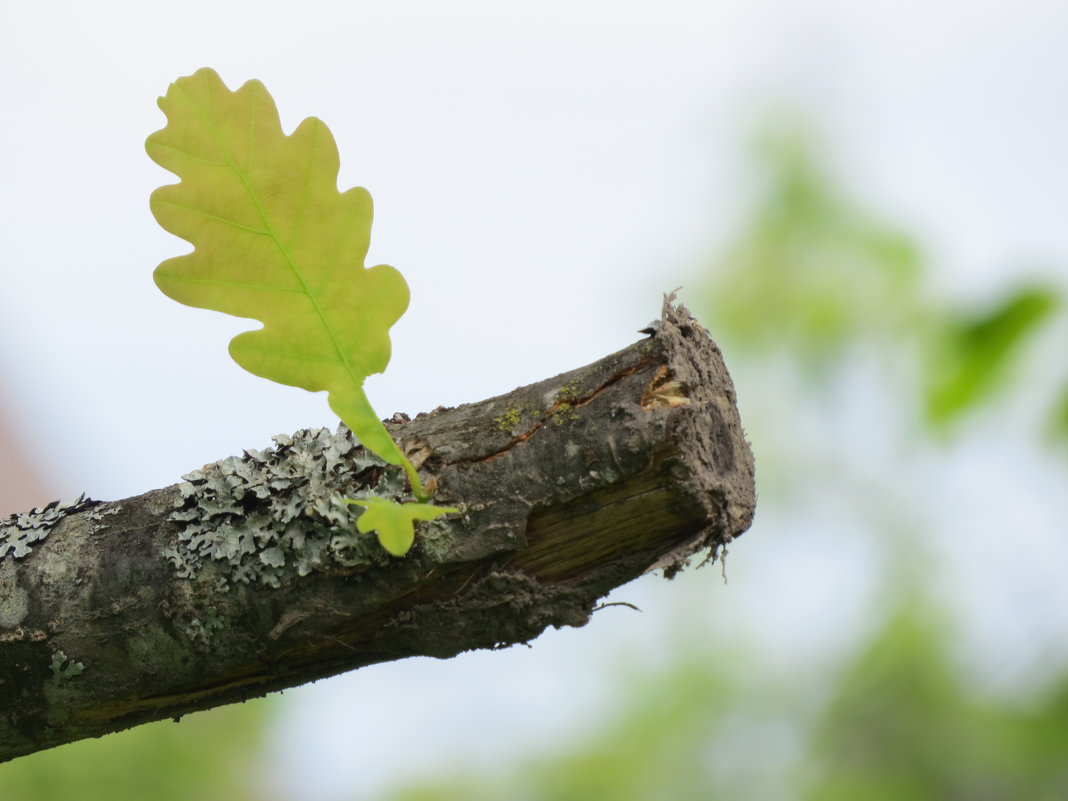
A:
(249, 576)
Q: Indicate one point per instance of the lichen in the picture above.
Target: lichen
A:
(563, 408)
(509, 420)
(563, 412)
(257, 516)
(568, 392)
(20, 531)
(65, 668)
(200, 630)
(97, 516)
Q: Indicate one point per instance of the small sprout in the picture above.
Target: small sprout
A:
(393, 522)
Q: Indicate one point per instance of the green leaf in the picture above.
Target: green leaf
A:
(276, 241)
(395, 522)
(975, 351)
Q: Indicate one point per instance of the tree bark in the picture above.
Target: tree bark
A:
(250, 577)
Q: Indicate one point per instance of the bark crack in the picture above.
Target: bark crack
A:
(566, 404)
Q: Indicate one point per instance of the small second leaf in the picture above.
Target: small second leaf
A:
(393, 522)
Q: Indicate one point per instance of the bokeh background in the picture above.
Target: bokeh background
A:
(865, 202)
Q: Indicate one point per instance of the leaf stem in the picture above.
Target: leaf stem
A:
(418, 491)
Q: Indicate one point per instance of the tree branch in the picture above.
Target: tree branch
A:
(249, 577)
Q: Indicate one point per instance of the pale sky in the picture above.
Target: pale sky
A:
(542, 172)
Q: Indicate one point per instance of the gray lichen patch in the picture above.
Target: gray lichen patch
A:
(65, 668)
(200, 630)
(252, 518)
(20, 531)
(97, 515)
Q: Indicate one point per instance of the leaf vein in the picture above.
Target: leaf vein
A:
(232, 284)
(207, 214)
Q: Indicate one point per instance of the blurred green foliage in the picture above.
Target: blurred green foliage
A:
(810, 273)
(903, 725)
(659, 744)
(973, 352)
(812, 276)
(209, 756)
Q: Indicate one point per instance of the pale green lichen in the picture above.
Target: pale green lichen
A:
(21, 531)
(65, 668)
(97, 516)
(253, 518)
